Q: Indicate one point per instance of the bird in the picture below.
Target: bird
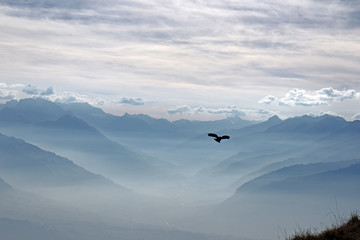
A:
(218, 138)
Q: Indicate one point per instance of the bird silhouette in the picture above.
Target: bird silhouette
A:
(218, 138)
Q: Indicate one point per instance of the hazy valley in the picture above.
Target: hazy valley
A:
(75, 172)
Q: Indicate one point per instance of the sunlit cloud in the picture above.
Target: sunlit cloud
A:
(301, 97)
(70, 97)
(356, 116)
(228, 111)
(9, 91)
(6, 95)
(268, 99)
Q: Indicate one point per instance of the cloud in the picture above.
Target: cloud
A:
(182, 46)
(73, 97)
(44, 4)
(264, 112)
(19, 91)
(6, 95)
(180, 110)
(9, 92)
(30, 89)
(48, 91)
(259, 114)
(319, 114)
(131, 101)
(33, 90)
(301, 97)
(356, 117)
(330, 94)
(268, 100)
(228, 111)
(219, 29)
(232, 111)
(69, 97)
(61, 96)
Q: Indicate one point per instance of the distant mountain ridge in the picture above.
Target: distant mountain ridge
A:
(62, 131)
(310, 125)
(37, 110)
(76, 130)
(30, 111)
(295, 158)
(145, 124)
(299, 171)
(272, 144)
(272, 165)
(341, 182)
(26, 164)
(70, 122)
(300, 134)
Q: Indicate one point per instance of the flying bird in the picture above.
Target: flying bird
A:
(218, 138)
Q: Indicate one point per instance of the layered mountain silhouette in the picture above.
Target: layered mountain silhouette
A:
(209, 126)
(29, 111)
(292, 141)
(25, 165)
(303, 165)
(61, 131)
(339, 182)
(146, 125)
(305, 178)
(268, 166)
(106, 122)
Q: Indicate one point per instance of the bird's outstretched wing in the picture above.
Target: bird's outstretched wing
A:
(225, 137)
(212, 135)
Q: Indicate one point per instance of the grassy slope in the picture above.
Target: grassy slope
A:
(350, 230)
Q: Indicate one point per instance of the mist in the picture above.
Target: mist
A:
(73, 174)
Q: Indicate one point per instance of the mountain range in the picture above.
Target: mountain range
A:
(292, 141)
(301, 178)
(145, 125)
(27, 165)
(275, 164)
(303, 167)
(61, 131)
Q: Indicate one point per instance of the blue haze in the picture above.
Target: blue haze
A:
(112, 177)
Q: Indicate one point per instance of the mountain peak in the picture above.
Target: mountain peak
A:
(37, 103)
(36, 167)
(31, 110)
(69, 121)
(310, 124)
(9, 104)
(274, 118)
(81, 109)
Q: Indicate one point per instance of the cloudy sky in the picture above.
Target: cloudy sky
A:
(194, 59)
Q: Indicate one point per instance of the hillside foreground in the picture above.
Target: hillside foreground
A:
(350, 230)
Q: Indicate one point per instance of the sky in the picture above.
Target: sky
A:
(193, 59)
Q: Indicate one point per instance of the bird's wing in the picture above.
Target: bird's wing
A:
(212, 135)
(225, 137)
